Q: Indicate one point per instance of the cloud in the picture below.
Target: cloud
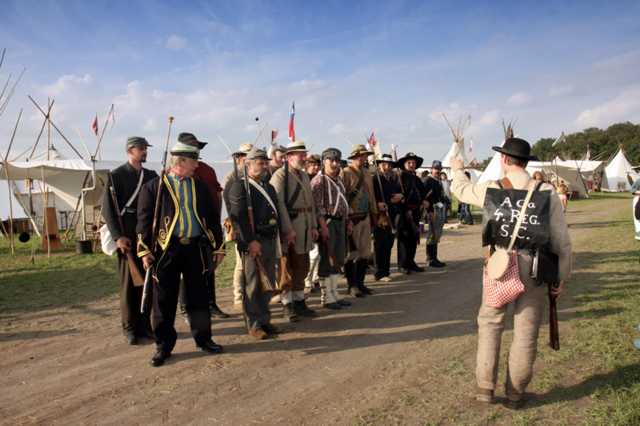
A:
(624, 107)
(66, 82)
(561, 90)
(519, 99)
(175, 42)
(489, 118)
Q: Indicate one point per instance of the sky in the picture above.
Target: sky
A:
(353, 67)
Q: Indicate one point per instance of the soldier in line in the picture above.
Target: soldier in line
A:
(409, 225)
(119, 206)
(434, 212)
(189, 242)
(389, 198)
(238, 157)
(362, 208)
(333, 212)
(547, 232)
(277, 158)
(311, 282)
(259, 247)
(299, 225)
(206, 174)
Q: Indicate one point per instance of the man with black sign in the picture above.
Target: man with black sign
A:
(543, 227)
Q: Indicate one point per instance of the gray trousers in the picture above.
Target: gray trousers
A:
(255, 302)
(336, 245)
(527, 317)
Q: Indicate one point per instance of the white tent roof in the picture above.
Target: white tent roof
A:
(493, 171)
(616, 172)
(554, 171)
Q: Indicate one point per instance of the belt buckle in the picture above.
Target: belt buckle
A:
(185, 241)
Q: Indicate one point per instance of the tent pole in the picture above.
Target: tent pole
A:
(45, 222)
(30, 213)
(6, 171)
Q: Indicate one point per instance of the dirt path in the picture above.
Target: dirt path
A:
(71, 365)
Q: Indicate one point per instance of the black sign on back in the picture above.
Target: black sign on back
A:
(501, 210)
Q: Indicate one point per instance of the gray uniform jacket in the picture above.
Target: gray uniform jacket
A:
(303, 206)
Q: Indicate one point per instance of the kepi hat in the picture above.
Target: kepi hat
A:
(137, 141)
(332, 153)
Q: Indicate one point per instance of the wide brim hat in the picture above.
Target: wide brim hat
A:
(359, 150)
(257, 154)
(410, 156)
(517, 148)
(386, 158)
(296, 146)
(183, 150)
(243, 149)
(190, 139)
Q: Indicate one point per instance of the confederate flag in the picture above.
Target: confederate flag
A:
(292, 114)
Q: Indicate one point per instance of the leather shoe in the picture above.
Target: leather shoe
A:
(211, 347)
(343, 302)
(132, 339)
(417, 268)
(270, 329)
(435, 263)
(258, 333)
(216, 312)
(366, 290)
(303, 310)
(159, 358)
(333, 306)
(290, 313)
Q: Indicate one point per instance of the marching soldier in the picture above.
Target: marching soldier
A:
(189, 237)
(207, 175)
(332, 209)
(435, 212)
(312, 166)
(238, 157)
(389, 198)
(543, 228)
(119, 207)
(299, 225)
(362, 206)
(258, 245)
(414, 194)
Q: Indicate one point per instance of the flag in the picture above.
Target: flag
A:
(372, 140)
(94, 125)
(292, 114)
(274, 135)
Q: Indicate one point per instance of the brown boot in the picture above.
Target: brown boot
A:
(258, 333)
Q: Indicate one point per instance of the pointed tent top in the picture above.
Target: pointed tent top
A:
(457, 147)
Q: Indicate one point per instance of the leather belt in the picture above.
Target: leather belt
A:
(185, 241)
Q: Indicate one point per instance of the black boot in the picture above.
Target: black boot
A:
(216, 312)
(352, 284)
(159, 358)
(289, 312)
(303, 310)
(432, 254)
(361, 272)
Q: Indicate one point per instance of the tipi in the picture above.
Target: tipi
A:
(457, 146)
(618, 173)
(494, 168)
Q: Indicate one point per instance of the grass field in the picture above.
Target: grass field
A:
(31, 281)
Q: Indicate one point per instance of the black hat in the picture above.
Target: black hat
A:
(332, 153)
(516, 147)
(410, 156)
(137, 141)
(190, 139)
(386, 158)
(437, 164)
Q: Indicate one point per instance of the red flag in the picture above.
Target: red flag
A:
(292, 114)
(94, 125)
(372, 140)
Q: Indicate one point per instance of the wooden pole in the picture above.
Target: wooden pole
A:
(6, 171)
(56, 128)
(44, 123)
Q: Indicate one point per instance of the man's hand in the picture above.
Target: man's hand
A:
(324, 232)
(382, 207)
(255, 249)
(123, 244)
(396, 198)
(147, 261)
(314, 234)
(456, 164)
(557, 291)
(291, 237)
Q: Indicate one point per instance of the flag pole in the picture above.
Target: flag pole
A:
(6, 171)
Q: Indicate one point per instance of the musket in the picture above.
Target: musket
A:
(554, 332)
(149, 274)
(263, 278)
(136, 275)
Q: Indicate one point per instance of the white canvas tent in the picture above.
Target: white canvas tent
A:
(617, 173)
(493, 171)
(454, 151)
(555, 172)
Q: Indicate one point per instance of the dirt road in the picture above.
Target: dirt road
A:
(71, 366)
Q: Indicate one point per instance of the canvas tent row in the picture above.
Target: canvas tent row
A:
(618, 173)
